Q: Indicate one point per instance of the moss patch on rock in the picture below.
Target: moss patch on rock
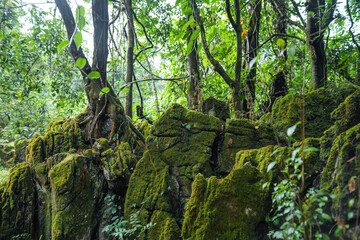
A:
(61, 136)
(343, 165)
(17, 203)
(229, 208)
(319, 105)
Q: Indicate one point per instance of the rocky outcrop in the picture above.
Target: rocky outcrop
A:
(199, 177)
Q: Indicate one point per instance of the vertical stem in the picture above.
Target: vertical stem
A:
(129, 57)
(153, 82)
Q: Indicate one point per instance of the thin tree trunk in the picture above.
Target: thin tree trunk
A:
(318, 63)
(194, 94)
(252, 43)
(129, 58)
(358, 70)
(279, 85)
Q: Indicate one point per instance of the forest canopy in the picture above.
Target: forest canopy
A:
(155, 53)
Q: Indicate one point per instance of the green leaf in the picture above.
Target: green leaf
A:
(187, 12)
(291, 51)
(270, 166)
(80, 9)
(124, 91)
(78, 39)
(62, 45)
(189, 47)
(104, 90)
(81, 23)
(311, 149)
(94, 75)
(291, 130)
(326, 217)
(350, 215)
(81, 62)
(281, 42)
(351, 202)
(195, 34)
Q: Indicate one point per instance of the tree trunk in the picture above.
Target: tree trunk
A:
(129, 57)
(194, 94)
(105, 116)
(319, 16)
(279, 85)
(318, 63)
(252, 43)
(358, 70)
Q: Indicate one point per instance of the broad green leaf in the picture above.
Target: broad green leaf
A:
(78, 39)
(126, 90)
(189, 47)
(80, 9)
(311, 149)
(191, 20)
(270, 166)
(195, 34)
(81, 23)
(62, 45)
(104, 90)
(291, 130)
(281, 42)
(291, 51)
(187, 12)
(81, 62)
(94, 75)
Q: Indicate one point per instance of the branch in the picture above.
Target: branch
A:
(298, 12)
(217, 66)
(351, 25)
(70, 25)
(228, 12)
(148, 80)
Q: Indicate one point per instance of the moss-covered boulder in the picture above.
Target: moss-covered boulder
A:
(77, 194)
(319, 105)
(181, 146)
(243, 134)
(18, 203)
(345, 116)
(342, 172)
(225, 209)
(61, 136)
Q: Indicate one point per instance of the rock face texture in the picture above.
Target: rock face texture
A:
(197, 177)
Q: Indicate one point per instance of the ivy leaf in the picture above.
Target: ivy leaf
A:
(62, 45)
(81, 23)
(270, 166)
(78, 39)
(94, 75)
(281, 42)
(81, 62)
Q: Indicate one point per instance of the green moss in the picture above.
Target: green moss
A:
(343, 164)
(243, 134)
(318, 104)
(61, 136)
(101, 144)
(229, 208)
(17, 202)
(76, 193)
(165, 228)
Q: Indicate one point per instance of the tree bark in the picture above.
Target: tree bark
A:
(319, 16)
(252, 43)
(194, 93)
(105, 116)
(279, 85)
(129, 58)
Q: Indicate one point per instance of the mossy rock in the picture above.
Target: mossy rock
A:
(217, 108)
(243, 134)
(342, 166)
(180, 147)
(77, 191)
(229, 208)
(319, 105)
(61, 136)
(7, 154)
(17, 203)
(346, 115)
